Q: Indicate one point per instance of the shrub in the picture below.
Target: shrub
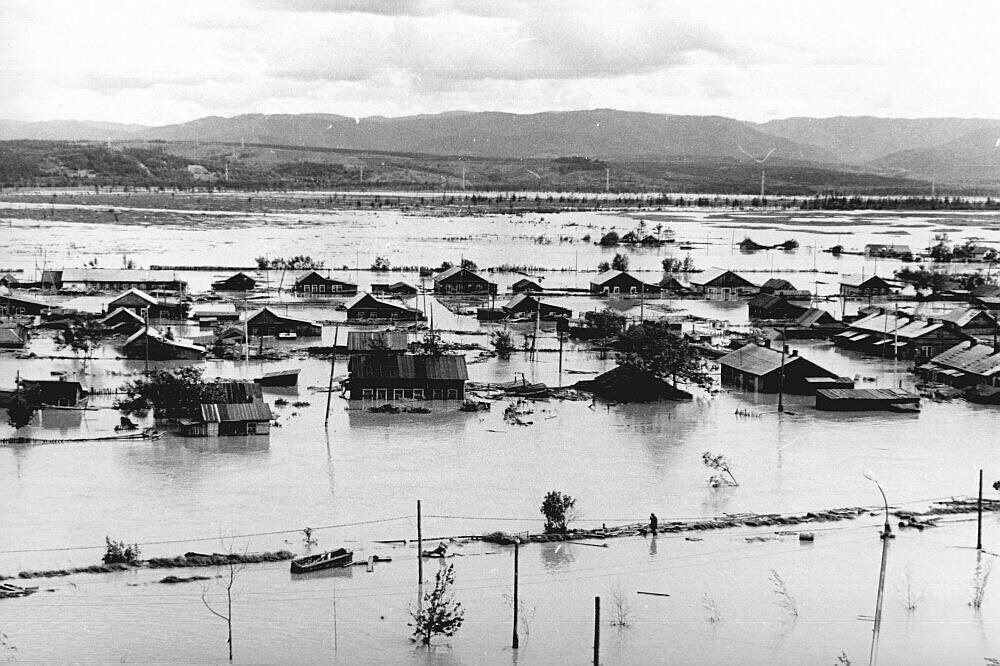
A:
(119, 552)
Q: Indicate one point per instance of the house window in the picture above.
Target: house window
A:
(408, 394)
(366, 394)
(397, 394)
(418, 394)
(452, 394)
(926, 350)
(607, 290)
(334, 287)
(617, 290)
(436, 394)
(251, 428)
(322, 288)
(632, 290)
(381, 393)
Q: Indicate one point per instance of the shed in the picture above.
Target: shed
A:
(365, 307)
(526, 286)
(242, 411)
(55, 392)
(239, 282)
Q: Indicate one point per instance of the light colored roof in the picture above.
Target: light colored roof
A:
(760, 361)
(134, 292)
(880, 323)
(160, 338)
(219, 412)
(977, 359)
(116, 275)
(409, 366)
(811, 316)
(365, 341)
(10, 336)
(122, 312)
(455, 270)
(962, 316)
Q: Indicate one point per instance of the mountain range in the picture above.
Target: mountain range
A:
(961, 151)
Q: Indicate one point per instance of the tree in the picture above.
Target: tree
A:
(119, 552)
(652, 347)
(671, 265)
(502, 343)
(469, 265)
(21, 410)
(380, 264)
(603, 266)
(609, 239)
(620, 262)
(555, 508)
(606, 322)
(227, 583)
(83, 336)
(174, 393)
(439, 614)
(720, 464)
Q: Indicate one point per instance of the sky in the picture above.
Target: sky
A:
(152, 62)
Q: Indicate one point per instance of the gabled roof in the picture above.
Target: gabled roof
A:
(761, 361)
(610, 275)
(161, 339)
(863, 280)
(765, 301)
(455, 270)
(880, 323)
(813, 316)
(777, 283)
(713, 274)
(285, 318)
(116, 275)
(975, 359)
(302, 278)
(962, 316)
(527, 282)
(371, 301)
(409, 366)
(120, 313)
(134, 292)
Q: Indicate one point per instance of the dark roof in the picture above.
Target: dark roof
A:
(408, 366)
(761, 361)
(777, 283)
(610, 275)
(456, 270)
(362, 341)
(814, 316)
(526, 283)
(365, 300)
(714, 274)
(765, 301)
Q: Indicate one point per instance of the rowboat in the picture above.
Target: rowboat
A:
(288, 377)
(333, 559)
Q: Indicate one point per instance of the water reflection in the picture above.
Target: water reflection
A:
(556, 556)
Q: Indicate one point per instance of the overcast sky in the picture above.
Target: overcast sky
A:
(151, 62)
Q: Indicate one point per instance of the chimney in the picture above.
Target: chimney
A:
(795, 352)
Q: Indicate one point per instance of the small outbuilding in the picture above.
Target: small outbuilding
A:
(242, 411)
(238, 282)
(365, 307)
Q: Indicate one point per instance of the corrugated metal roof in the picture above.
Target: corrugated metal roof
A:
(257, 410)
(961, 316)
(867, 394)
(116, 275)
(977, 359)
(9, 336)
(409, 366)
(760, 361)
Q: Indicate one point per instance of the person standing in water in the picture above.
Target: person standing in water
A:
(653, 523)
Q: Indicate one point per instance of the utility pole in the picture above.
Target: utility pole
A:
(146, 318)
(333, 364)
(607, 180)
(781, 375)
(979, 514)
(597, 631)
(873, 655)
(560, 334)
(514, 642)
(420, 549)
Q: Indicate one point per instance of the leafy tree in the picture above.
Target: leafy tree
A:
(83, 336)
(606, 321)
(721, 465)
(652, 347)
(603, 266)
(439, 614)
(555, 507)
(671, 265)
(469, 265)
(688, 264)
(502, 343)
(119, 552)
(431, 344)
(620, 262)
(837, 250)
(380, 264)
(609, 239)
(174, 393)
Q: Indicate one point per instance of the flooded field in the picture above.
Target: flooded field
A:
(357, 480)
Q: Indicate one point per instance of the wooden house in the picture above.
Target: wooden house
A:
(9, 280)
(242, 411)
(527, 305)
(671, 286)
(268, 322)
(966, 364)
(111, 279)
(312, 284)
(232, 334)
(55, 392)
(213, 313)
(123, 320)
(458, 280)
(377, 342)
(13, 336)
(756, 368)
(22, 306)
(974, 322)
(613, 282)
(888, 251)
(407, 376)
(856, 286)
(772, 307)
(897, 336)
(723, 285)
(395, 289)
(149, 342)
(238, 282)
(365, 307)
(526, 286)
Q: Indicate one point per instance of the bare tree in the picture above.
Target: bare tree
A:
(719, 463)
(227, 582)
(785, 600)
(621, 608)
(708, 603)
(980, 580)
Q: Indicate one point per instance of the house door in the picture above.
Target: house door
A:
(725, 294)
(380, 394)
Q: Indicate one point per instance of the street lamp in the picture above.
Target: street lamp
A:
(871, 477)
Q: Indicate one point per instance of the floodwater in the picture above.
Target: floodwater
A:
(357, 480)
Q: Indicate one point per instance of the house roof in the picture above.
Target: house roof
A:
(455, 270)
(220, 412)
(118, 313)
(285, 318)
(26, 299)
(887, 247)
(777, 283)
(521, 301)
(812, 316)
(134, 292)
(975, 359)
(161, 339)
(610, 275)
(713, 274)
(864, 280)
(525, 282)
(760, 361)
(880, 323)
(366, 341)
(409, 366)
(962, 316)
(765, 301)
(116, 275)
(212, 309)
(9, 336)
(371, 301)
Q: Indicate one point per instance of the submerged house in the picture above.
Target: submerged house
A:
(613, 282)
(238, 282)
(241, 411)
(966, 364)
(395, 289)
(13, 336)
(898, 336)
(22, 306)
(975, 322)
(123, 320)
(671, 286)
(407, 376)
(756, 368)
(312, 283)
(526, 286)
(139, 302)
(218, 312)
(723, 285)
(527, 305)
(55, 392)
(785, 289)
(161, 346)
(772, 307)
(268, 322)
(458, 280)
(365, 307)
(857, 286)
(888, 251)
(111, 279)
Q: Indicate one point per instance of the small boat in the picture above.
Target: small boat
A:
(9, 591)
(287, 335)
(333, 559)
(904, 408)
(279, 378)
